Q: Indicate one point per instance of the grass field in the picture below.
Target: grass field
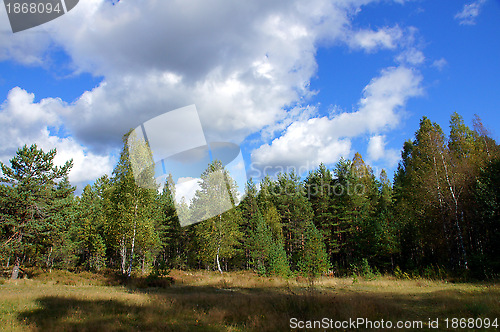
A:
(239, 301)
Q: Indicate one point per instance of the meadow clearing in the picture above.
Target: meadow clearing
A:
(234, 301)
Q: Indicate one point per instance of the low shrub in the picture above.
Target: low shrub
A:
(156, 281)
(365, 270)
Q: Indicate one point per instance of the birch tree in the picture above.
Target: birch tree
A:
(219, 234)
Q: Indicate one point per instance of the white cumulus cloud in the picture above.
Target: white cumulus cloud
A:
(25, 122)
(246, 65)
(470, 12)
(377, 151)
(305, 144)
(370, 40)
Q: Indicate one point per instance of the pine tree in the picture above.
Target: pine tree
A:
(249, 208)
(434, 193)
(342, 207)
(28, 190)
(62, 215)
(485, 261)
(386, 232)
(319, 186)
(295, 211)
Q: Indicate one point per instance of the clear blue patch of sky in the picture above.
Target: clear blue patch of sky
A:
(470, 82)
(55, 79)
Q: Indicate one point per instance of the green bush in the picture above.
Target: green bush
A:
(434, 273)
(365, 270)
(160, 269)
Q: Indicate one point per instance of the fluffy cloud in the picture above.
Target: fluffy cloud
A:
(24, 48)
(305, 144)
(440, 63)
(185, 189)
(411, 56)
(377, 151)
(370, 40)
(470, 12)
(26, 122)
(245, 65)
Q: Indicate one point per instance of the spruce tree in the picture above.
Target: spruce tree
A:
(171, 234)
(89, 229)
(313, 260)
(267, 249)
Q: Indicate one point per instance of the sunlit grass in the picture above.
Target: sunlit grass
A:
(238, 301)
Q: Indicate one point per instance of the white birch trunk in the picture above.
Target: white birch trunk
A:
(133, 243)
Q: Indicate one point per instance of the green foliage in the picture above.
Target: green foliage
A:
(437, 190)
(89, 231)
(131, 216)
(171, 235)
(486, 262)
(218, 237)
(287, 194)
(434, 273)
(364, 270)
(438, 218)
(267, 249)
(33, 196)
(313, 257)
(319, 185)
(400, 274)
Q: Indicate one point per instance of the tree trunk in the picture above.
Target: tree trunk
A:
(123, 254)
(143, 262)
(15, 269)
(457, 224)
(47, 263)
(133, 242)
(217, 259)
(132, 251)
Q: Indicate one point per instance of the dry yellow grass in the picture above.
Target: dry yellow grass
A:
(239, 301)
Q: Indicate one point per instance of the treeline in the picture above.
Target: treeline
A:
(440, 216)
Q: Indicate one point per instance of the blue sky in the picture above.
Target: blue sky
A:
(293, 83)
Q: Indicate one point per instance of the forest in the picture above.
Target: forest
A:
(438, 217)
